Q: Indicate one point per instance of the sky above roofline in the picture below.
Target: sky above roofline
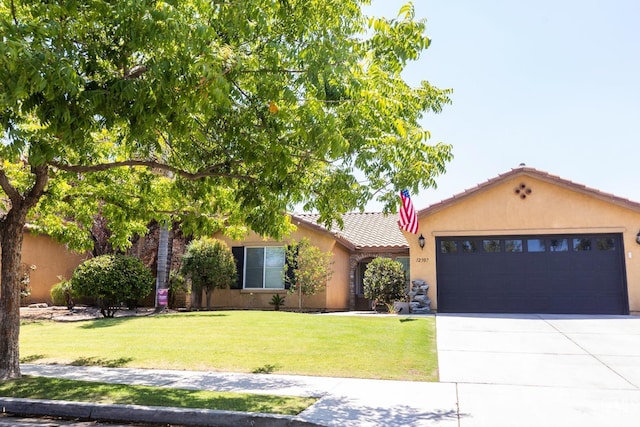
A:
(550, 84)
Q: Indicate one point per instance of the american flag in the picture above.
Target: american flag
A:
(408, 218)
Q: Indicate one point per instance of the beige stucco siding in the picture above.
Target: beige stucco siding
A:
(550, 208)
(51, 259)
(334, 297)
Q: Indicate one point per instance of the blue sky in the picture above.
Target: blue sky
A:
(554, 84)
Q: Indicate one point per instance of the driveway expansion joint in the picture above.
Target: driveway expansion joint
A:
(587, 352)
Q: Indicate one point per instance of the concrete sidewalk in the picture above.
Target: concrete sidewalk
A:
(343, 401)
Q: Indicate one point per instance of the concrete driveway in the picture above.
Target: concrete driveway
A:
(533, 370)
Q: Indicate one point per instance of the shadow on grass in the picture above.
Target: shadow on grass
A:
(198, 313)
(105, 363)
(105, 322)
(84, 391)
(31, 322)
(407, 319)
(266, 369)
(32, 358)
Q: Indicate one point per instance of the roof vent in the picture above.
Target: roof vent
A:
(523, 191)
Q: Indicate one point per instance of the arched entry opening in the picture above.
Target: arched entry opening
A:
(359, 263)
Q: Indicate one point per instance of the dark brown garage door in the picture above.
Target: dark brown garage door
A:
(573, 274)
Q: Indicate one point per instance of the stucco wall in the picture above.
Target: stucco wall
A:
(550, 208)
(51, 260)
(334, 297)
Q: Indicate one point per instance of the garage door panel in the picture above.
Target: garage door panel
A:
(575, 274)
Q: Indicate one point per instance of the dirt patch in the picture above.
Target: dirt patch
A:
(63, 314)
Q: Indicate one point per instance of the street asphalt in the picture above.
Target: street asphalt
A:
(495, 370)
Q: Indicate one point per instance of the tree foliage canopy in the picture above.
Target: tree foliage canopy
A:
(214, 114)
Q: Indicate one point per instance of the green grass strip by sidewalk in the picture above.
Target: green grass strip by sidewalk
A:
(86, 391)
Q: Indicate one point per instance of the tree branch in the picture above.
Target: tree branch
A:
(272, 71)
(207, 172)
(34, 194)
(135, 72)
(13, 13)
(13, 194)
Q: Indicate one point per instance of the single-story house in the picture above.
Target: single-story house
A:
(260, 262)
(525, 241)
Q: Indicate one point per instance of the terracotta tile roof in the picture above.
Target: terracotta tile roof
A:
(362, 230)
(535, 173)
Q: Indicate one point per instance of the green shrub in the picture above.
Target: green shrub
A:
(25, 280)
(62, 293)
(384, 282)
(277, 301)
(177, 284)
(209, 264)
(113, 280)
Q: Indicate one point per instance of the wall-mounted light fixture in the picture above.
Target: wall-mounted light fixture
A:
(638, 238)
(421, 240)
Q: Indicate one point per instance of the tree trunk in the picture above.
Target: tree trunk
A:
(11, 235)
(208, 292)
(196, 295)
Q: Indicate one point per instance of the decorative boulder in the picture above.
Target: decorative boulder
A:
(420, 302)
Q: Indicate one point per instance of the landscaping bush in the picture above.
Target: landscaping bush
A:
(384, 282)
(113, 280)
(177, 286)
(209, 264)
(25, 280)
(62, 294)
(277, 301)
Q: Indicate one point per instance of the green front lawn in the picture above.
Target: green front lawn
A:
(84, 391)
(381, 347)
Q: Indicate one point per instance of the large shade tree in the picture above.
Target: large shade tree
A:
(216, 114)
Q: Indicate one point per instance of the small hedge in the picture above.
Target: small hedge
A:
(113, 280)
(62, 294)
(384, 282)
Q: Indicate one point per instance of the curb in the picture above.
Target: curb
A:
(146, 414)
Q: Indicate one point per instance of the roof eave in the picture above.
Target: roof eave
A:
(317, 227)
(534, 173)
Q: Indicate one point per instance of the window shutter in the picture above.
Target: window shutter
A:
(290, 268)
(238, 255)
